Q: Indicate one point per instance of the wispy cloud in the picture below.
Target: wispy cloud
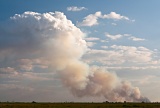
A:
(92, 39)
(75, 8)
(128, 36)
(104, 41)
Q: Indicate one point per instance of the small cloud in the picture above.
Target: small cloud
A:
(114, 15)
(136, 39)
(113, 37)
(133, 20)
(155, 49)
(104, 47)
(127, 35)
(91, 19)
(104, 41)
(75, 8)
(114, 24)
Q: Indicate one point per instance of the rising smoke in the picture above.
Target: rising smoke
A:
(52, 40)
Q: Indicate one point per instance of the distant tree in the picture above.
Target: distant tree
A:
(107, 102)
(33, 102)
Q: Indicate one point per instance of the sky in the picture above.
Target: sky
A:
(82, 51)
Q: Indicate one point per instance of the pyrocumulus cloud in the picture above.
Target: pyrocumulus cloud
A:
(52, 41)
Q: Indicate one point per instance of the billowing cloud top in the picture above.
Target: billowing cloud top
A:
(43, 35)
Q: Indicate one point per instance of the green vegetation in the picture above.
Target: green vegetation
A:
(79, 105)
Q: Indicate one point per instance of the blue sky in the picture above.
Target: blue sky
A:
(120, 37)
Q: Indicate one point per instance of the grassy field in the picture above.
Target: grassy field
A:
(79, 105)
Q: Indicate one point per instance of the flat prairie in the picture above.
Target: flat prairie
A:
(78, 105)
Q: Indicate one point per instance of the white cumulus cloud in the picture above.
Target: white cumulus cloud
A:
(114, 15)
(91, 19)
